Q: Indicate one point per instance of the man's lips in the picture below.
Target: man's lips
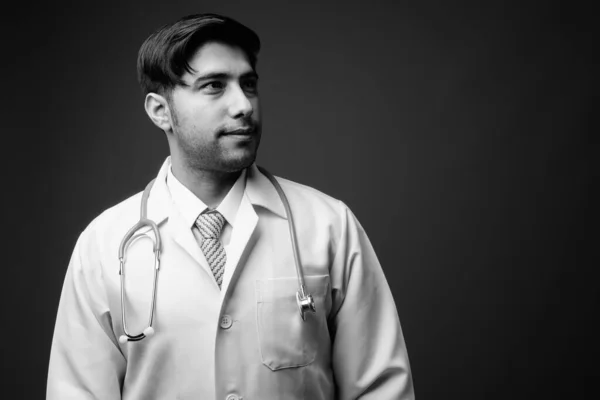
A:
(241, 132)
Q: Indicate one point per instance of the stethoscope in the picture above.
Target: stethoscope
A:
(305, 300)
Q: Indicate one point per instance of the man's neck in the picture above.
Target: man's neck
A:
(209, 186)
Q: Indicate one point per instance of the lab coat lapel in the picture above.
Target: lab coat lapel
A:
(245, 225)
(259, 192)
(183, 236)
(161, 208)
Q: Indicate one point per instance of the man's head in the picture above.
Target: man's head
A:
(199, 78)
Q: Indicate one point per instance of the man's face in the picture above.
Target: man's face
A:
(216, 117)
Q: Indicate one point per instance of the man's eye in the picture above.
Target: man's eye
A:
(214, 86)
(250, 85)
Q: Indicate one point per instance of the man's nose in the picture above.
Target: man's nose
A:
(239, 104)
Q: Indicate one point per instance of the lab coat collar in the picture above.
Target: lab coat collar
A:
(159, 202)
(261, 192)
(259, 189)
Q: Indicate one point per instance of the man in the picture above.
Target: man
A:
(226, 322)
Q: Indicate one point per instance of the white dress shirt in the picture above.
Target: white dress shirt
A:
(190, 206)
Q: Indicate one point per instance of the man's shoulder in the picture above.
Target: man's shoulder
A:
(300, 189)
(123, 214)
(102, 236)
(312, 200)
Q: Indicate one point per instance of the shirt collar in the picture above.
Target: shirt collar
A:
(191, 206)
(259, 191)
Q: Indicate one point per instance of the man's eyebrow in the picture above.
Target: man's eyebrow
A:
(224, 75)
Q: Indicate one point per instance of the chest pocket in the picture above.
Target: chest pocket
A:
(286, 340)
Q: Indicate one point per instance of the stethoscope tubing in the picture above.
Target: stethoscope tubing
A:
(303, 298)
(291, 225)
(129, 236)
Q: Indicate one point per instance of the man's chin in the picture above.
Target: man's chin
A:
(238, 162)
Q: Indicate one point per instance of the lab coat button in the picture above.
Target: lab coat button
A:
(226, 322)
(233, 397)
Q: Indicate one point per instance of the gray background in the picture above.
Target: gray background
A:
(458, 133)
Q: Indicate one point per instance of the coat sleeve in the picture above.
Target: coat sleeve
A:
(85, 360)
(370, 361)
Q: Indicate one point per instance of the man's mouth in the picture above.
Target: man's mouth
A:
(250, 131)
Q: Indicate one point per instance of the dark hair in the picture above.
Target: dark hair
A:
(164, 57)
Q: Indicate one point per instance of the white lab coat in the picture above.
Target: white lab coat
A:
(247, 342)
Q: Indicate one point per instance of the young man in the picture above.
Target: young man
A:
(226, 321)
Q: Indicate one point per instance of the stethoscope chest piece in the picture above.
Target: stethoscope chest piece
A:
(305, 302)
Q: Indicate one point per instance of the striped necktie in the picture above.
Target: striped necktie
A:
(210, 224)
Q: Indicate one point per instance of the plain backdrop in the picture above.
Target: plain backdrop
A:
(459, 133)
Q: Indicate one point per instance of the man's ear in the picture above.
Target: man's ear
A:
(158, 110)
